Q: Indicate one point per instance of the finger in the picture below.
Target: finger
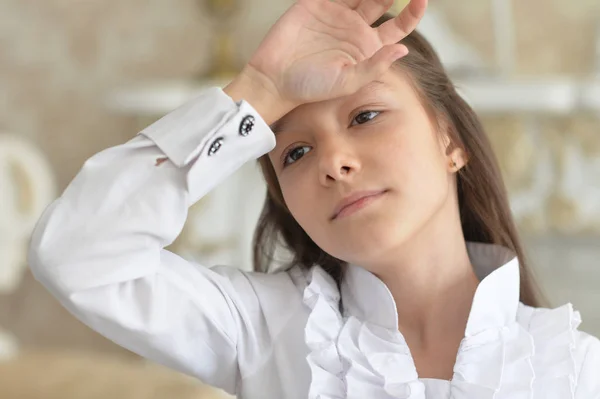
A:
(371, 10)
(396, 29)
(370, 69)
(350, 3)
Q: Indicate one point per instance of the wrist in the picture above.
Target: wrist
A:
(260, 93)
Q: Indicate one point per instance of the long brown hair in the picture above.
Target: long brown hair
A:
(484, 208)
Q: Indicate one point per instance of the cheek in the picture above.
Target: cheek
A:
(419, 168)
(297, 196)
(307, 208)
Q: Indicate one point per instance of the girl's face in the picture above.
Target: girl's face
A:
(378, 142)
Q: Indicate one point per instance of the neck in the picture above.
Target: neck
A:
(432, 282)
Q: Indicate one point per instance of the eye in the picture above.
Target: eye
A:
(294, 154)
(361, 117)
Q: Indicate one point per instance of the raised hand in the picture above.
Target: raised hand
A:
(322, 49)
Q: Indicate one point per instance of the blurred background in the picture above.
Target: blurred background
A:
(80, 76)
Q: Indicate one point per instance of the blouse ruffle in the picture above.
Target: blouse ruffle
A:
(322, 328)
(554, 332)
(380, 363)
(494, 364)
(350, 358)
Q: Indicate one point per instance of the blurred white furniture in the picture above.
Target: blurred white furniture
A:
(27, 186)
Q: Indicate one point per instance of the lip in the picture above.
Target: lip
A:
(355, 201)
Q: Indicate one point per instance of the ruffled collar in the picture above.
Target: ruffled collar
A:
(359, 353)
(495, 302)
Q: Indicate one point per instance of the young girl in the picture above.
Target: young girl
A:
(408, 278)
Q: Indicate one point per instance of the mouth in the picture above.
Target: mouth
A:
(356, 202)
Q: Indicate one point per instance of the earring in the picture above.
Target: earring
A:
(453, 164)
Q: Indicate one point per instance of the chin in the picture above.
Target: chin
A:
(366, 245)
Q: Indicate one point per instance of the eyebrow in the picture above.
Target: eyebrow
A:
(375, 85)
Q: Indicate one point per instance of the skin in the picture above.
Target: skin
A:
(411, 236)
(321, 50)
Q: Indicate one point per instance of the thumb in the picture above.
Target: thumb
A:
(370, 69)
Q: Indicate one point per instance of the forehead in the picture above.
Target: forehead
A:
(391, 82)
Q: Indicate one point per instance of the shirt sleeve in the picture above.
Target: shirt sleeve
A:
(588, 384)
(99, 248)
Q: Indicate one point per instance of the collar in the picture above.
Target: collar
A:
(494, 305)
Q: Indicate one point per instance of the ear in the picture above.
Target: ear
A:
(457, 159)
(455, 156)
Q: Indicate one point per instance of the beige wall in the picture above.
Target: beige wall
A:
(59, 59)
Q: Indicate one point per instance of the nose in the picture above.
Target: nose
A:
(337, 162)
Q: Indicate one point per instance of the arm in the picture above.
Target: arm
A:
(99, 247)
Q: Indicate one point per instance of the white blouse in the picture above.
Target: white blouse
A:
(99, 249)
